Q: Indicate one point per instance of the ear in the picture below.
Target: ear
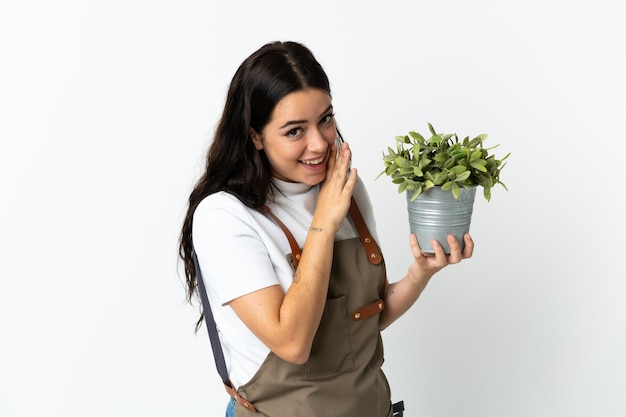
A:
(256, 139)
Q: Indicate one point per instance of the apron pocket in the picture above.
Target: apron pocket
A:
(331, 351)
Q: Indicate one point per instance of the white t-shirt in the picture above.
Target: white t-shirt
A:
(241, 250)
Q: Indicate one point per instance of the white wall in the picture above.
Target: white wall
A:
(106, 109)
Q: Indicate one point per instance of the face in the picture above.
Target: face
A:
(298, 136)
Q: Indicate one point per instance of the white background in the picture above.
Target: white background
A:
(107, 108)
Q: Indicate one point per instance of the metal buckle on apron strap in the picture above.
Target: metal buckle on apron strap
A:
(240, 400)
(369, 311)
(398, 409)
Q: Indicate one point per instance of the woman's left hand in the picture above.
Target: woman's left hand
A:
(425, 266)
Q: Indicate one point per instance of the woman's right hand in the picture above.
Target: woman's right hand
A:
(336, 189)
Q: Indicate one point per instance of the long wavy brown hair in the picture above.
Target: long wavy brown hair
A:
(233, 164)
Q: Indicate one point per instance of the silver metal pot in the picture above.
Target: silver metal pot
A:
(435, 214)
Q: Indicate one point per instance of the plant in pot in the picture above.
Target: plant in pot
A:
(439, 176)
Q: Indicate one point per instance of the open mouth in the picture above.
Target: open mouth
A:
(313, 162)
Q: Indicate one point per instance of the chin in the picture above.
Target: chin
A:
(313, 179)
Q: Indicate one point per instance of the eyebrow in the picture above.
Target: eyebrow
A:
(296, 122)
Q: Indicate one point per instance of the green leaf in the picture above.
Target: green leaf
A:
(479, 165)
(416, 136)
(401, 162)
(456, 190)
(463, 176)
(477, 140)
(450, 163)
(477, 154)
(391, 168)
(432, 129)
(440, 178)
(484, 179)
(435, 139)
(416, 193)
(459, 153)
(404, 171)
(487, 193)
(458, 169)
(447, 186)
(423, 163)
(417, 171)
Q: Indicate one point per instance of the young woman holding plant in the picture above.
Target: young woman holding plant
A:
(286, 244)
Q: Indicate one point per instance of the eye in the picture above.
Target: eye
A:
(327, 119)
(294, 132)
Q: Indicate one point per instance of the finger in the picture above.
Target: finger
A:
(343, 159)
(421, 258)
(469, 246)
(440, 256)
(351, 181)
(415, 246)
(455, 250)
(339, 173)
(332, 157)
(334, 164)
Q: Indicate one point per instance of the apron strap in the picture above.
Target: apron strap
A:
(216, 346)
(369, 311)
(369, 244)
(296, 253)
(366, 237)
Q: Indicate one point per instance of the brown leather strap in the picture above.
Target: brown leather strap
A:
(369, 310)
(373, 254)
(296, 253)
(240, 400)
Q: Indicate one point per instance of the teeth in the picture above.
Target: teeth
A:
(314, 162)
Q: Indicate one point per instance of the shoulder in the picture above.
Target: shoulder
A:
(219, 210)
(221, 220)
(220, 201)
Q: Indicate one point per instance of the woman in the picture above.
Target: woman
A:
(299, 328)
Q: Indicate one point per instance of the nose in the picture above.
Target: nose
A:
(318, 142)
